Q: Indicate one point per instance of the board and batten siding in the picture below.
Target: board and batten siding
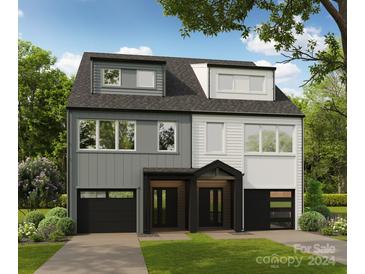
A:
(124, 169)
(260, 171)
(128, 81)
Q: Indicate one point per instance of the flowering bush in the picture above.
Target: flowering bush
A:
(39, 183)
(339, 226)
(26, 230)
(335, 226)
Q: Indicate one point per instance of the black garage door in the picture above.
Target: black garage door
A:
(106, 211)
(269, 209)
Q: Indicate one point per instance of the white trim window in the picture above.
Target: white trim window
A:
(87, 134)
(126, 135)
(166, 136)
(146, 78)
(111, 77)
(240, 83)
(106, 138)
(215, 138)
(269, 139)
(110, 135)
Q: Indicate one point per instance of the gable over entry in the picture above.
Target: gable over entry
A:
(213, 193)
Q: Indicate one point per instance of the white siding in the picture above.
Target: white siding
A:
(261, 171)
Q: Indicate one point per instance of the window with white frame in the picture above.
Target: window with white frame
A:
(87, 131)
(240, 83)
(111, 77)
(269, 138)
(126, 133)
(107, 135)
(215, 137)
(145, 78)
(166, 136)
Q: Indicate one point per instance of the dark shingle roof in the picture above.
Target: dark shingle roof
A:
(183, 91)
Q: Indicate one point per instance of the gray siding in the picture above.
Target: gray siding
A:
(128, 86)
(115, 169)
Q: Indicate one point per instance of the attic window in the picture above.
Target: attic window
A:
(145, 79)
(240, 83)
(111, 77)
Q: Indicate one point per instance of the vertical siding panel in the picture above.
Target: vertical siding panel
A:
(93, 167)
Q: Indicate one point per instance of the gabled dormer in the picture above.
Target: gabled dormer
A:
(236, 82)
(128, 77)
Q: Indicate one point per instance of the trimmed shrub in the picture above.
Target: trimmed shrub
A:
(57, 236)
(313, 197)
(34, 217)
(323, 210)
(66, 225)
(48, 226)
(335, 199)
(59, 212)
(37, 237)
(311, 221)
(327, 231)
(62, 201)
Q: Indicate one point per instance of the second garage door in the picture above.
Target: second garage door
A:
(106, 211)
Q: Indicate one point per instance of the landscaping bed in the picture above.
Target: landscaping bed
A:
(205, 255)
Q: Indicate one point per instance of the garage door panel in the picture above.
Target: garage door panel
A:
(106, 214)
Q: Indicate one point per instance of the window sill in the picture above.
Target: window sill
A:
(270, 154)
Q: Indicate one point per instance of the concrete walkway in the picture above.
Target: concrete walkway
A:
(304, 241)
(165, 236)
(98, 253)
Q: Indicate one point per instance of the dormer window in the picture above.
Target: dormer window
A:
(145, 79)
(111, 77)
(240, 83)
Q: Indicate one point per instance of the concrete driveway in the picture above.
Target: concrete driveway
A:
(313, 243)
(98, 253)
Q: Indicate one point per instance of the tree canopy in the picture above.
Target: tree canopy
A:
(284, 22)
(42, 95)
(325, 132)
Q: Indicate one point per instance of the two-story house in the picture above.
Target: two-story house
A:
(181, 143)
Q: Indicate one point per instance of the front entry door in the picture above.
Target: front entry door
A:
(164, 207)
(210, 207)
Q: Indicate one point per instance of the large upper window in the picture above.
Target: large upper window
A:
(215, 133)
(87, 130)
(269, 138)
(107, 134)
(240, 83)
(166, 136)
(127, 132)
(145, 78)
(111, 77)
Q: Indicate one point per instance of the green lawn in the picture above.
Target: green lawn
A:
(32, 256)
(205, 255)
(341, 237)
(22, 212)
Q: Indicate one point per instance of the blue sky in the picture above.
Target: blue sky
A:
(70, 27)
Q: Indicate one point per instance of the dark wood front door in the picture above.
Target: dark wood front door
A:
(210, 207)
(164, 207)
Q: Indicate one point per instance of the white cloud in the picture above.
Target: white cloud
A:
(284, 72)
(142, 50)
(20, 13)
(292, 91)
(255, 44)
(68, 63)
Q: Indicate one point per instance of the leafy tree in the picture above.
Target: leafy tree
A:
(39, 183)
(325, 132)
(43, 92)
(285, 20)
